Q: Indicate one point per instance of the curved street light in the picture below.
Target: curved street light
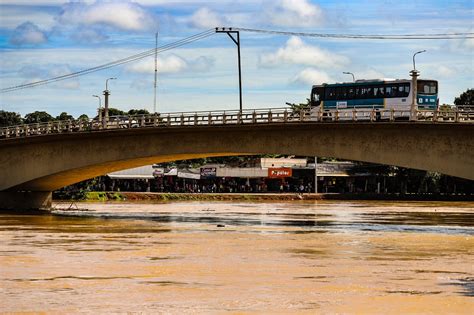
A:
(414, 101)
(107, 82)
(353, 77)
(100, 107)
(100, 100)
(418, 52)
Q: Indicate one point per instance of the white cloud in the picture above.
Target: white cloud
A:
(89, 35)
(28, 34)
(298, 52)
(168, 64)
(469, 43)
(445, 72)
(34, 73)
(11, 17)
(126, 16)
(141, 85)
(206, 18)
(295, 13)
(202, 64)
(172, 64)
(365, 75)
(311, 76)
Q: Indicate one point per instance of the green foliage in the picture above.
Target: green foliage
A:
(298, 107)
(64, 116)
(38, 117)
(134, 112)
(9, 119)
(235, 161)
(466, 98)
(445, 108)
(83, 117)
(116, 112)
(77, 191)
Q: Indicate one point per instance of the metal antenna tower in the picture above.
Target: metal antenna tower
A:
(156, 71)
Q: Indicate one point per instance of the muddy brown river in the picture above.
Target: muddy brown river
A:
(228, 257)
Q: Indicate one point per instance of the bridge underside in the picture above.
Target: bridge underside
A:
(47, 163)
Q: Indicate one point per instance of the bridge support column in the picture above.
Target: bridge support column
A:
(25, 200)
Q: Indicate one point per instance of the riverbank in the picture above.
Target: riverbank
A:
(152, 197)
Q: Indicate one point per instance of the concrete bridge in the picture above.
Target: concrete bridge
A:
(40, 158)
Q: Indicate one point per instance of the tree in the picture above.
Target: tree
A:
(300, 106)
(116, 112)
(9, 119)
(445, 108)
(64, 116)
(83, 117)
(466, 98)
(38, 117)
(134, 112)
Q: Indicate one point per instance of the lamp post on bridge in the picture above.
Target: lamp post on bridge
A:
(414, 74)
(100, 107)
(353, 77)
(106, 101)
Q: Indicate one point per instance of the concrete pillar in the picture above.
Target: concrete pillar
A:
(27, 200)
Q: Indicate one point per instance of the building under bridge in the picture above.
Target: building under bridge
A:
(259, 175)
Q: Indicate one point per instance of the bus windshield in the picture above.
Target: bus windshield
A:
(317, 96)
(427, 87)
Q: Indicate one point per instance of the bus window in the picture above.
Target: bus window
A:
(394, 90)
(370, 92)
(340, 93)
(331, 93)
(406, 89)
(350, 92)
(427, 87)
(378, 91)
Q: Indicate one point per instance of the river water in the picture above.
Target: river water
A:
(228, 257)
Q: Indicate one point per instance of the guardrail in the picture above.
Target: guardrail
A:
(229, 117)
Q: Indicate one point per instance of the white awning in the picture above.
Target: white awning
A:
(142, 172)
(184, 174)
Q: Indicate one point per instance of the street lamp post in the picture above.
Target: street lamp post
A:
(106, 101)
(353, 77)
(100, 106)
(414, 74)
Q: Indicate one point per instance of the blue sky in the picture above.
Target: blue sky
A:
(47, 38)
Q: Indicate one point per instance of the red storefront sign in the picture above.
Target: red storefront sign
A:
(279, 172)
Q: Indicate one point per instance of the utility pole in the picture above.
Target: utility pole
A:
(156, 71)
(236, 40)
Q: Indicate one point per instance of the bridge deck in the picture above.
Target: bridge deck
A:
(247, 117)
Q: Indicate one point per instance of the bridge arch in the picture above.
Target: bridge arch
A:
(49, 162)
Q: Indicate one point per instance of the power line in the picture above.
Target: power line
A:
(362, 36)
(115, 63)
(210, 32)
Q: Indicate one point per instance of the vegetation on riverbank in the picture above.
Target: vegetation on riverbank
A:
(96, 196)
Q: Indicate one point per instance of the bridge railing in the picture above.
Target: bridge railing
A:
(235, 117)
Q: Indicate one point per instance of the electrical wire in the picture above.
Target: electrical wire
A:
(361, 36)
(210, 32)
(115, 63)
